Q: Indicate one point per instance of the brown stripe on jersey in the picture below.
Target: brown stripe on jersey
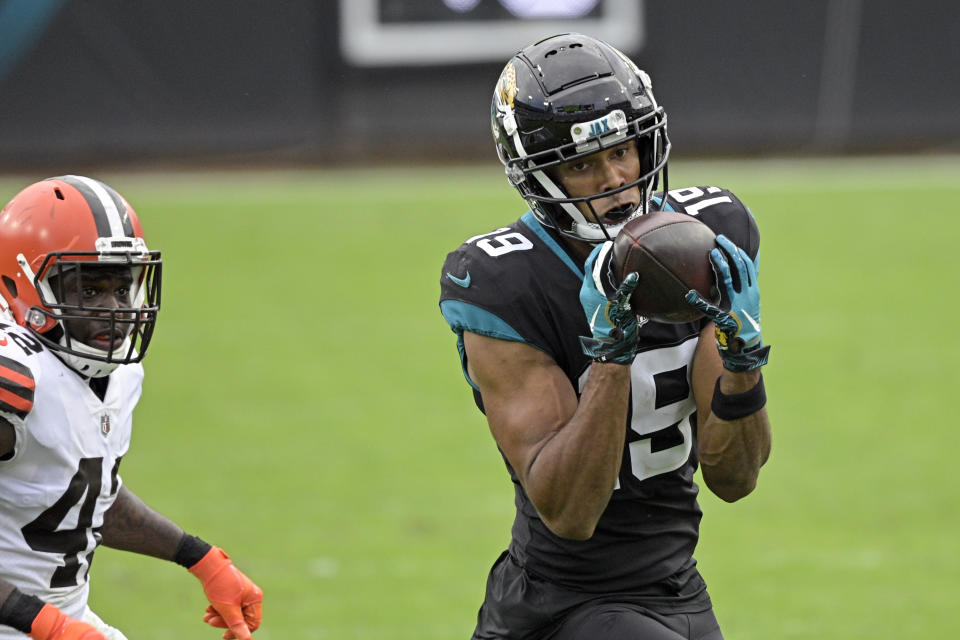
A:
(17, 373)
(16, 387)
(12, 403)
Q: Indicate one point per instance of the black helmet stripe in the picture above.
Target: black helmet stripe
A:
(109, 212)
(121, 210)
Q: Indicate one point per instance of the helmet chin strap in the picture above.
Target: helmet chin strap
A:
(89, 367)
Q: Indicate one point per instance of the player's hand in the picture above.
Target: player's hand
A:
(235, 601)
(53, 624)
(613, 323)
(738, 330)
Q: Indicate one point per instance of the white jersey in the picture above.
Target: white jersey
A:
(63, 474)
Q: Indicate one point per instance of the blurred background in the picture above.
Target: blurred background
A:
(306, 165)
(130, 83)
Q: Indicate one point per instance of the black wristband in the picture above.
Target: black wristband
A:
(190, 551)
(20, 610)
(738, 405)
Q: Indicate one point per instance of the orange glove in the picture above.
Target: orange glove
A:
(235, 601)
(53, 624)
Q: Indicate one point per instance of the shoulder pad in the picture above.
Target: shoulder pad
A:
(720, 210)
(17, 386)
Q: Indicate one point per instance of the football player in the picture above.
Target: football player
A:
(601, 416)
(79, 296)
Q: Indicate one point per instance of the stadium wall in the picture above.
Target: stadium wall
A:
(88, 81)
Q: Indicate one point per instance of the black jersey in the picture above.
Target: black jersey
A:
(519, 283)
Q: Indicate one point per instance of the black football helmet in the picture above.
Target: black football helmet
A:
(566, 97)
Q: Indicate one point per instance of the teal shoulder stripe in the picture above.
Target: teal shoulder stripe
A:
(531, 221)
(658, 200)
(463, 316)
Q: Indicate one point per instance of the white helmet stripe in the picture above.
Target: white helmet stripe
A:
(109, 213)
(110, 210)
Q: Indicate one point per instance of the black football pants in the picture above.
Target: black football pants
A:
(618, 621)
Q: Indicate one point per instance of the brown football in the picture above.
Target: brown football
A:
(670, 251)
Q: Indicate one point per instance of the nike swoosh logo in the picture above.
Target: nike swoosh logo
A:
(463, 282)
(593, 320)
(756, 327)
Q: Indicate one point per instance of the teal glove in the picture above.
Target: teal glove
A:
(738, 330)
(613, 323)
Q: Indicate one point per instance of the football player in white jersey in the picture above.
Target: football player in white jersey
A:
(79, 296)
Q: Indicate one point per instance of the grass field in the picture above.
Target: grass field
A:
(304, 406)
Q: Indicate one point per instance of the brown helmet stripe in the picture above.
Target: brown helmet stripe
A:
(109, 212)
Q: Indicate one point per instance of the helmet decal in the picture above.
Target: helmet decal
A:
(507, 85)
(611, 128)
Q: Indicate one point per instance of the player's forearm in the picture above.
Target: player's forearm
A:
(573, 476)
(732, 451)
(130, 525)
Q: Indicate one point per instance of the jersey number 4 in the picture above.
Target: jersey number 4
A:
(43, 535)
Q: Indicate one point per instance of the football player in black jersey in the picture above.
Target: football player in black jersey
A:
(601, 416)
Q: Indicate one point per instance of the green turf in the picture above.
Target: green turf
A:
(304, 407)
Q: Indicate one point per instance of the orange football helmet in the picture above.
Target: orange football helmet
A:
(75, 222)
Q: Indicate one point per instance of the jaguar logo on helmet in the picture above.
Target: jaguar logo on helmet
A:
(507, 85)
